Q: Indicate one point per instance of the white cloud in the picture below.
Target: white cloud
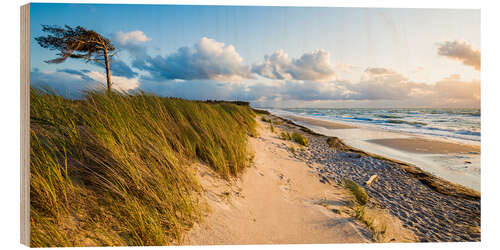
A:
(73, 83)
(208, 59)
(117, 82)
(345, 68)
(310, 66)
(461, 51)
(130, 38)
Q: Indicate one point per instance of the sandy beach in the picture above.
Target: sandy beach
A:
(298, 196)
(283, 200)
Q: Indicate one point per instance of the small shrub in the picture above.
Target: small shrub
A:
(358, 191)
(300, 139)
(292, 149)
(360, 212)
(335, 142)
(277, 122)
(285, 136)
(272, 128)
(264, 119)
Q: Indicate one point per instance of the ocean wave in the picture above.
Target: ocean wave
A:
(450, 123)
(361, 118)
(406, 122)
(466, 132)
(389, 116)
(456, 131)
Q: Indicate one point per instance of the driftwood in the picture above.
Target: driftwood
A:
(372, 178)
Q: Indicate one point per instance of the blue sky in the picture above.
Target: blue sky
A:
(276, 56)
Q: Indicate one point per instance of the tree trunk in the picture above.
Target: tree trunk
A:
(108, 74)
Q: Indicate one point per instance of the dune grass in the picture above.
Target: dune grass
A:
(300, 139)
(264, 119)
(295, 137)
(115, 169)
(285, 136)
(358, 191)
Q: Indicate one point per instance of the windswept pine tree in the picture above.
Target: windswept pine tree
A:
(79, 43)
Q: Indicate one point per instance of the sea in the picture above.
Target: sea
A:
(455, 124)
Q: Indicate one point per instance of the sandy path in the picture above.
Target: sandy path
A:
(274, 202)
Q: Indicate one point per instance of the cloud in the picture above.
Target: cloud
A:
(310, 66)
(73, 83)
(133, 42)
(75, 72)
(345, 68)
(380, 87)
(379, 71)
(130, 38)
(461, 51)
(206, 60)
(117, 82)
(454, 90)
(382, 76)
(66, 82)
(195, 89)
(120, 68)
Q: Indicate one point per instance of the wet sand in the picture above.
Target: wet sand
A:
(421, 145)
(320, 123)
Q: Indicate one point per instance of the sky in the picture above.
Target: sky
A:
(273, 56)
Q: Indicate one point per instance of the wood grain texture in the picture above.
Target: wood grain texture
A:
(25, 124)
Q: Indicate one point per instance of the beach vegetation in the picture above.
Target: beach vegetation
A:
(264, 119)
(295, 137)
(300, 139)
(285, 136)
(358, 191)
(375, 220)
(117, 169)
(277, 122)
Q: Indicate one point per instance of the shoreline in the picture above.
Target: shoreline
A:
(433, 181)
(450, 160)
(434, 208)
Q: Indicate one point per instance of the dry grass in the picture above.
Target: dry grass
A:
(358, 191)
(115, 170)
(295, 137)
(264, 119)
(285, 136)
(300, 139)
